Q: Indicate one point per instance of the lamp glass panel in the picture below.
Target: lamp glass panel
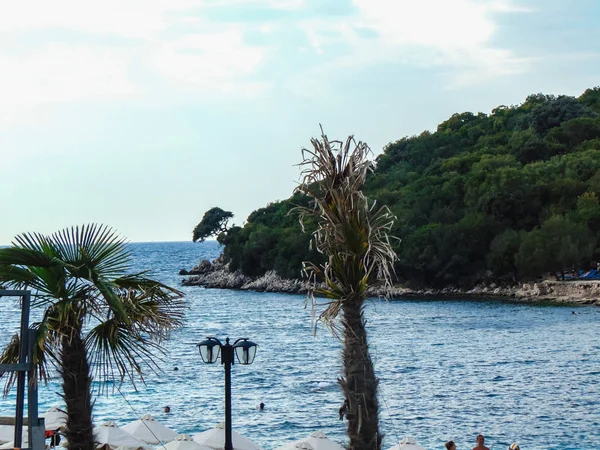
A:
(245, 353)
(209, 352)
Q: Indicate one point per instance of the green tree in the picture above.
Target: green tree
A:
(528, 147)
(213, 223)
(591, 98)
(558, 244)
(588, 207)
(97, 320)
(501, 257)
(353, 236)
(555, 111)
(574, 132)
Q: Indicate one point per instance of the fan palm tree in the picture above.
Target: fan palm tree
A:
(97, 319)
(353, 236)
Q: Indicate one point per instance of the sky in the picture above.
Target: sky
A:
(143, 114)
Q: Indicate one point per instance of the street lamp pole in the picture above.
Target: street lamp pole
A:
(227, 360)
(245, 351)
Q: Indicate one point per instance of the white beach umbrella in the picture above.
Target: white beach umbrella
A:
(7, 433)
(124, 448)
(55, 418)
(185, 442)
(316, 441)
(113, 436)
(11, 444)
(215, 439)
(408, 443)
(150, 431)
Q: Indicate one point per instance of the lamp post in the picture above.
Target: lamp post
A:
(245, 352)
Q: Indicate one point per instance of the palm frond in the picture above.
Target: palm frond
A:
(45, 349)
(37, 243)
(153, 308)
(352, 233)
(139, 281)
(108, 292)
(22, 256)
(117, 351)
(28, 269)
(120, 349)
(16, 277)
(92, 250)
(10, 355)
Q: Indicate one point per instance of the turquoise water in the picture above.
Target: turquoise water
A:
(449, 369)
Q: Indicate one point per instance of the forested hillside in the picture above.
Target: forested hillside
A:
(511, 194)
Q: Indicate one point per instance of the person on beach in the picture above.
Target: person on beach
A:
(54, 438)
(480, 441)
(450, 445)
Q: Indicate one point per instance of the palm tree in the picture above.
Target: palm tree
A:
(353, 236)
(97, 321)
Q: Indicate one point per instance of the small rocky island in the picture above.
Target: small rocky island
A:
(216, 275)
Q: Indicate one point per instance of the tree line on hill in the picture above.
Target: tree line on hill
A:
(507, 195)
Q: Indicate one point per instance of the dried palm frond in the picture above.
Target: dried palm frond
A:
(352, 232)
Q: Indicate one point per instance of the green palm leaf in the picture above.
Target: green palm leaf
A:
(24, 256)
(116, 352)
(92, 250)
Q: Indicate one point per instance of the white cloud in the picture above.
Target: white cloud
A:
(437, 23)
(128, 18)
(65, 73)
(314, 40)
(211, 61)
(159, 42)
(62, 74)
(426, 33)
(505, 6)
(274, 4)
(217, 60)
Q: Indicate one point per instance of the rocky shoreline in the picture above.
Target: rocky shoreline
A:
(216, 275)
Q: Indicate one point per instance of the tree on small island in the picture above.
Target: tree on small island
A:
(352, 234)
(213, 223)
(98, 321)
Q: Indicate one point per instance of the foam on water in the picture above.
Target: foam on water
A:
(448, 369)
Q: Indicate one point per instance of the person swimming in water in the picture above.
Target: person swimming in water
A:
(480, 441)
(167, 409)
(343, 409)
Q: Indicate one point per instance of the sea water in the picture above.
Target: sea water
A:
(448, 369)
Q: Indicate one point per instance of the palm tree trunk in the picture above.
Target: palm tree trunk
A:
(359, 383)
(75, 372)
